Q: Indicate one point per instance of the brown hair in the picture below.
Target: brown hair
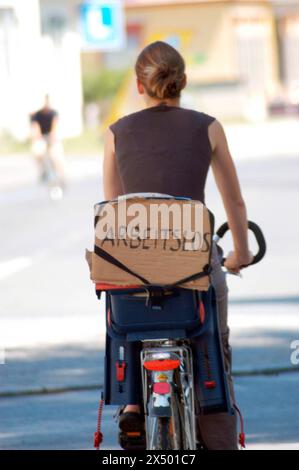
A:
(161, 70)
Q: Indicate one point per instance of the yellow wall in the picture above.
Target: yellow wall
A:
(208, 44)
(206, 31)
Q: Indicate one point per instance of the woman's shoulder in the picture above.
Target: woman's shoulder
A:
(123, 121)
(203, 118)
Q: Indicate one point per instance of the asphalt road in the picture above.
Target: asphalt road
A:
(68, 420)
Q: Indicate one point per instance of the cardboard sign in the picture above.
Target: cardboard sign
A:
(160, 241)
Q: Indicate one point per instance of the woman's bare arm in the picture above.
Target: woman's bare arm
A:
(228, 184)
(112, 182)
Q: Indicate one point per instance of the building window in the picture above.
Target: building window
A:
(54, 24)
(289, 37)
(251, 45)
(8, 40)
(127, 55)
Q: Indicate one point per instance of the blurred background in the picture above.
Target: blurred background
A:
(243, 67)
(241, 58)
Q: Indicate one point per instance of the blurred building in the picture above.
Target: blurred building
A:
(19, 32)
(34, 63)
(241, 56)
(229, 46)
(287, 27)
(230, 49)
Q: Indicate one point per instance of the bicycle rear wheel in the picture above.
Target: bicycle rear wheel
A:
(168, 430)
(164, 441)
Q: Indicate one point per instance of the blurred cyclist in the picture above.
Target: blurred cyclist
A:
(45, 141)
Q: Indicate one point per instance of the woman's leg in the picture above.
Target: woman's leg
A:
(132, 409)
(219, 431)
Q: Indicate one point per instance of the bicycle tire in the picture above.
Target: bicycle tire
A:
(164, 441)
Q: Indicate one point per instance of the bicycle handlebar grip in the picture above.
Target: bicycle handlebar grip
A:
(259, 236)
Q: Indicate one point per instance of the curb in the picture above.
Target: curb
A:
(89, 387)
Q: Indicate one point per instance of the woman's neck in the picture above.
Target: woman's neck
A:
(169, 102)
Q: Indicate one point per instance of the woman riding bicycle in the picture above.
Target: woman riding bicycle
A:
(165, 148)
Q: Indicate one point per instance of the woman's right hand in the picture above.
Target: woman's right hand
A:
(235, 263)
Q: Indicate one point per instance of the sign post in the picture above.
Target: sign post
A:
(102, 25)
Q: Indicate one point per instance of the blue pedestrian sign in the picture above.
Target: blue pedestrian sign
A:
(102, 25)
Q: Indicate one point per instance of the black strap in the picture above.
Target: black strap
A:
(205, 272)
(111, 259)
(107, 257)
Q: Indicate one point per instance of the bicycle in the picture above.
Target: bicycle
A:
(178, 331)
(49, 173)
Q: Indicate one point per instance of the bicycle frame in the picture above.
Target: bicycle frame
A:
(51, 177)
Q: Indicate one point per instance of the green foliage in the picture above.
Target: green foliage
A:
(10, 145)
(102, 85)
(87, 143)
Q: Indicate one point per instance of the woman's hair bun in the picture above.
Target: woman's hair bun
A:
(161, 70)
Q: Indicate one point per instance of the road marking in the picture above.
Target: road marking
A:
(273, 446)
(264, 320)
(10, 267)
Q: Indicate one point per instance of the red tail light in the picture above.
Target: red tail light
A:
(162, 364)
(209, 384)
(162, 388)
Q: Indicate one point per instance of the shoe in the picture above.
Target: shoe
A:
(131, 430)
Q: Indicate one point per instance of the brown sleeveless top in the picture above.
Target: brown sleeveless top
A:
(163, 149)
